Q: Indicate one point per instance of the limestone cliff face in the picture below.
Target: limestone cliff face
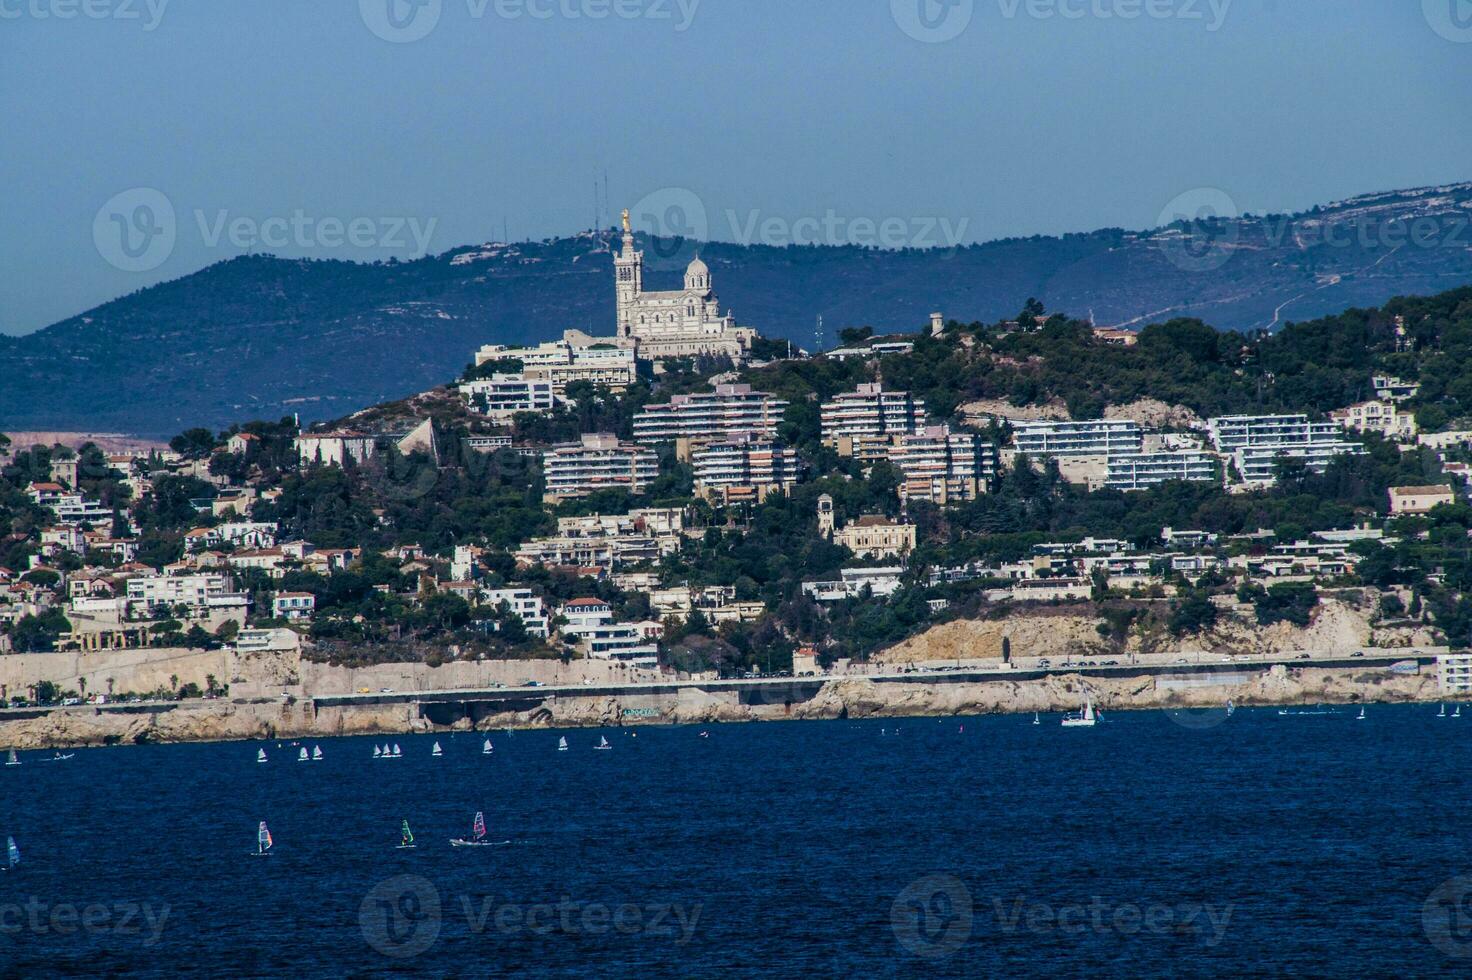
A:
(1338, 624)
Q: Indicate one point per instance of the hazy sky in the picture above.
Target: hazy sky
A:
(332, 128)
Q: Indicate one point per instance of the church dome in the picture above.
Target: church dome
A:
(697, 267)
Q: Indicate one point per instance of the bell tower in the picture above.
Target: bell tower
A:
(825, 517)
(628, 279)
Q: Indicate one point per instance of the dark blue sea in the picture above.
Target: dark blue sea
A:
(1151, 845)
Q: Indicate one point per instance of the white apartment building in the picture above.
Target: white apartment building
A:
(526, 604)
(851, 583)
(943, 466)
(1259, 464)
(1455, 670)
(1143, 470)
(591, 627)
(597, 462)
(1382, 417)
(503, 395)
(1098, 437)
(731, 411)
(863, 423)
(576, 357)
(1232, 432)
(743, 468)
(201, 593)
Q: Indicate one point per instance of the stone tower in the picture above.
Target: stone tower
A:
(628, 273)
(825, 516)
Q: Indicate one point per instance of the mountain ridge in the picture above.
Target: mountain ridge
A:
(261, 336)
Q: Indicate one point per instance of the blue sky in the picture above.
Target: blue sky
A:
(294, 127)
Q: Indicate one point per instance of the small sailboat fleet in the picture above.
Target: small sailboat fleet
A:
(1087, 717)
(386, 752)
(1307, 712)
(302, 756)
(397, 752)
(12, 855)
(437, 751)
(603, 743)
(316, 753)
(406, 838)
(477, 836)
(562, 744)
(12, 759)
(263, 841)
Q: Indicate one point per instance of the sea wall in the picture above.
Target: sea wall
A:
(144, 669)
(848, 697)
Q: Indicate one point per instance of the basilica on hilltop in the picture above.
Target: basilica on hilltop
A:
(673, 323)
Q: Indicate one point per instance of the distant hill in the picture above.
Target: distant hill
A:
(260, 337)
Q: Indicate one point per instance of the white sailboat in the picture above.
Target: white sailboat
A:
(1458, 712)
(377, 752)
(436, 751)
(1362, 714)
(260, 755)
(1035, 719)
(302, 755)
(602, 743)
(12, 854)
(12, 760)
(562, 744)
(397, 751)
(406, 838)
(316, 753)
(1442, 712)
(263, 841)
(486, 748)
(1086, 718)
